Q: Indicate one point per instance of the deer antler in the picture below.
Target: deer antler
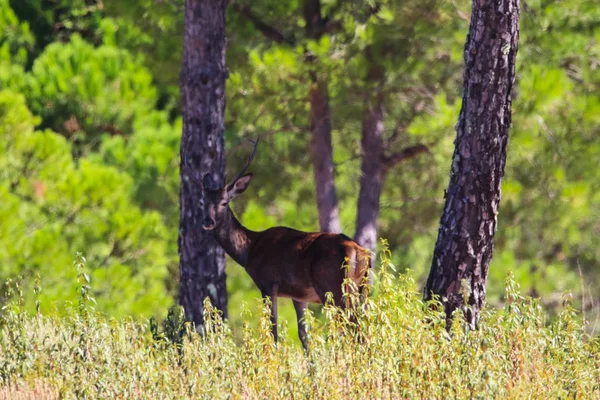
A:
(187, 166)
(249, 159)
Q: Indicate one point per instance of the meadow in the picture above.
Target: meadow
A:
(398, 347)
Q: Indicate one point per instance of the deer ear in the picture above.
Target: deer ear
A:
(239, 186)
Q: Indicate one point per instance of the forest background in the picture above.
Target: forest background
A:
(90, 126)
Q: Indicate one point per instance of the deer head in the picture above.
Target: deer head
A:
(214, 199)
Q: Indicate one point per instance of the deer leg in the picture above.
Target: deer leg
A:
(300, 308)
(273, 296)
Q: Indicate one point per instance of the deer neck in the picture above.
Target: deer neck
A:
(234, 238)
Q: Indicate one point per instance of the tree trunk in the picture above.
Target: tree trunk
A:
(320, 117)
(203, 76)
(322, 156)
(372, 175)
(374, 162)
(469, 221)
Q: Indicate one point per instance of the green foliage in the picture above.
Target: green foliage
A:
(59, 19)
(53, 206)
(16, 40)
(551, 204)
(153, 30)
(397, 348)
(548, 223)
(79, 89)
(90, 127)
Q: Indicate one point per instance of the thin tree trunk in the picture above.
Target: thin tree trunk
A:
(374, 162)
(469, 221)
(322, 157)
(320, 116)
(372, 175)
(203, 77)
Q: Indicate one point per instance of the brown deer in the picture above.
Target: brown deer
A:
(282, 262)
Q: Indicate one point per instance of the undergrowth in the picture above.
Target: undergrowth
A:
(395, 348)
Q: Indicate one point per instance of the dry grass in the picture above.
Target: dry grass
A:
(39, 390)
(399, 348)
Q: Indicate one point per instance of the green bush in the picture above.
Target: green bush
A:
(77, 88)
(397, 348)
(52, 205)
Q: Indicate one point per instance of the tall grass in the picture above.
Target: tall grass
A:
(396, 348)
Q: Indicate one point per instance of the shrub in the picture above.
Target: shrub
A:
(398, 347)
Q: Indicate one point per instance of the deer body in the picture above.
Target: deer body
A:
(283, 262)
(294, 261)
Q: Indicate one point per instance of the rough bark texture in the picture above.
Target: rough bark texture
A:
(320, 116)
(203, 76)
(469, 221)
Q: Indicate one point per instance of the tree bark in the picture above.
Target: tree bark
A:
(320, 117)
(469, 221)
(322, 157)
(202, 81)
(374, 162)
(372, 174)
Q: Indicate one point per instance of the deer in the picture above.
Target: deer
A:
(282, 262)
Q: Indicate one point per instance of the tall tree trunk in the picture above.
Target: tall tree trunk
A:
(375, 164)
(203, 76)
(322, 157)
(372, 174)
(320, 117)
(469, 221)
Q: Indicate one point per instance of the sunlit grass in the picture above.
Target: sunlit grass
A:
(397, 348)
